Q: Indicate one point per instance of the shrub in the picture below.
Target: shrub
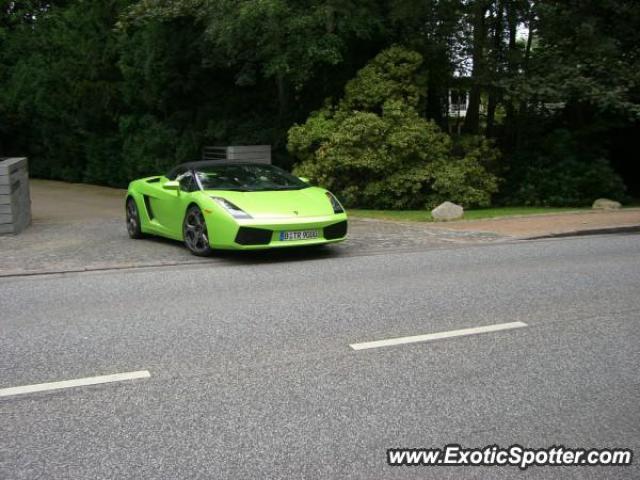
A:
(561, 174)
(374, 150)
(150, 146)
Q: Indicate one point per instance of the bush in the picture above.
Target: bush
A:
(374, 150)
(562, 175)
(104, 161)
(150, 146)
(464, 176)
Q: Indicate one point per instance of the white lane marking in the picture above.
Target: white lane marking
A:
(437, 336)
(80, 382)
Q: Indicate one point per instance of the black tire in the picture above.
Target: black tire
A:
(194, 231)
(133, 219)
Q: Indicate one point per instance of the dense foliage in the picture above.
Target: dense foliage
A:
(373, 149)
(107, 91)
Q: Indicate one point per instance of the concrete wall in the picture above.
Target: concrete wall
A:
(15, 202)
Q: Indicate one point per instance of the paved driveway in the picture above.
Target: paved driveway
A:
(81, 227)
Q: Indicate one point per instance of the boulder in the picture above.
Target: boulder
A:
(447, 211)
(606, 204)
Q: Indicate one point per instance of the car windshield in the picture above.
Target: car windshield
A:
(247, 178)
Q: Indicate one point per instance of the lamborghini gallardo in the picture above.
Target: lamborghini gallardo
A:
(226, 205)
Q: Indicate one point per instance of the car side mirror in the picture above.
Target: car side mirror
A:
(305, 179)
(171, 185)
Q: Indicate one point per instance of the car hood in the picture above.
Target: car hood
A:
(308, 202)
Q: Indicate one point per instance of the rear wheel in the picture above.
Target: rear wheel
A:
(133, 219)
(194, 230)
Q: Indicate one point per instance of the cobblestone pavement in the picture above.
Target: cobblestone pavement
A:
(78, 246)
(80, 227)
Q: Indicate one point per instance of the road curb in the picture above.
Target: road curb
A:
(33, 273)
(593, 231)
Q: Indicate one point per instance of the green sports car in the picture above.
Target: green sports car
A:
(233, 205)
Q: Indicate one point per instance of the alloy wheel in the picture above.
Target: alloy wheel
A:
(132, 218)
(195, 232)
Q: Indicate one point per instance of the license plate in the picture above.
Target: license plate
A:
(299, 235)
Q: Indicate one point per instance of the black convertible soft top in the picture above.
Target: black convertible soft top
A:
(175, 171)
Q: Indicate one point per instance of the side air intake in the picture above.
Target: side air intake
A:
(337, 230)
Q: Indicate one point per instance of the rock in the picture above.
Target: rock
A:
(447, 211)
(606, 204)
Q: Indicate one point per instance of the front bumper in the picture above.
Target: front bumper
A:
(257, 234)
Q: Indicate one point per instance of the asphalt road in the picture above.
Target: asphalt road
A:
(252, 375)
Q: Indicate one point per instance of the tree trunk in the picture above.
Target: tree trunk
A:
(434, 101)
(522, 113)
(512, 71)
(330, 23)
(491, 111)
(498, 60)
(472, 119)
(283, 98)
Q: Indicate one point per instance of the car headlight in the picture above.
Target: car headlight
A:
(233, 210)
(337, 207)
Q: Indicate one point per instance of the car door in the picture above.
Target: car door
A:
(169, 205)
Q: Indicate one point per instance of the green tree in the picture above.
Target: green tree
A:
(283, 41)
(88, 101)
(436, 29)
(576, 87)
(63, 88)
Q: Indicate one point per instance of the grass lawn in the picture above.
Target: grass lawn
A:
(425, 215)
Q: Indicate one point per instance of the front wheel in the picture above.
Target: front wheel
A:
(194, 230)
(133, 219)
